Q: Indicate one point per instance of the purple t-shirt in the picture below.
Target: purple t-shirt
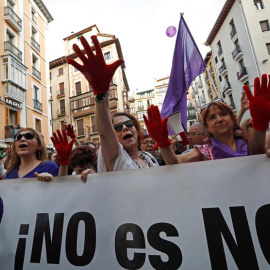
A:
(1, 209)
(47, 166)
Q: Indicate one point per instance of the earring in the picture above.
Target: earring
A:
(38, 154)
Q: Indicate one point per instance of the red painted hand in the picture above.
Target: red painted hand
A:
(157, 127)
(259, 104)
(62, 147)
(94, 68)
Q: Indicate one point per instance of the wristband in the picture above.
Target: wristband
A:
(101, 97)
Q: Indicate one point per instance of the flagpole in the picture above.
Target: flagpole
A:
(212, 82)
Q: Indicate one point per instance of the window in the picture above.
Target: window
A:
(149, 94)
(38, 125)
(107, 56)
(268, 47)
(61, 88)
(220, 78)
(149, 103)
(62, 107)
(140, 104)
(132, 110)
(80, 130)
(78, 88)
(258, 4)
(264, 25)
(219, 48)
(75, 70)
(93, 125)
(50, 76)
(34, 15)
(216, 59)
(233, 29)
(60, 71)
(241, 63)
(36, 92)
(231, 101)
(140, 116)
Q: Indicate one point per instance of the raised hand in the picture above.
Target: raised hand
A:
(94, 68)
(62, 147)
(70, 131)
(157, 127)
(259, 104)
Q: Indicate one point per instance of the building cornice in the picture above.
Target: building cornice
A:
(222, 16)
(44, 10)
(88, 29)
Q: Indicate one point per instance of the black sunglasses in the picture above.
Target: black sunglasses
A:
(206, 105)
(27, 136)
(119, 127)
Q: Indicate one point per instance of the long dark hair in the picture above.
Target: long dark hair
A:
(137, 125)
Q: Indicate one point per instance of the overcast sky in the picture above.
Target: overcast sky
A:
(140, 26)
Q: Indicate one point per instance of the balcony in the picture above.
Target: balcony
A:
(223, 70)
(61, 111)
(61, 93)
(13, 19)
(233, 32)
(211, 70)
(242, 75)
(209, 92)
(206, 79)
(9, 47)
(195, 90)
(193, 94)
(227, 88)
(35, 44)
(34, 18)
(36, 73)
(11, 90)
(140, 108)
(37, 105)
(203, 99)
(220, 51)
(200, 84)
(237, 53)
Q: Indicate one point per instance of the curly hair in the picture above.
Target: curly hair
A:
(81, 155)
(137, 125)
(41, 154)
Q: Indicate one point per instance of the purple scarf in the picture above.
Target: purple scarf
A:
(221, 150)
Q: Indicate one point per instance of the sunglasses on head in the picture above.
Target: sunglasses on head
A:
(27, 136)
(119, 127)
(206, 105)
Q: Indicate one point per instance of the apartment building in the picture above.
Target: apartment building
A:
(72, 96)
(23, 91)
(139, 102)
(240, 43)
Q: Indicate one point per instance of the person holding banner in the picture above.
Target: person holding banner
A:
(222, 125)
(29, 157)
(119, 136)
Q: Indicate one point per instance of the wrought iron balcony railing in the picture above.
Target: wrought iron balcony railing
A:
(9, 47)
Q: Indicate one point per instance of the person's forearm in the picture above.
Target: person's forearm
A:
(169, 156)
(240, 116)
(63, 170)
(256, 142)
(108, 139)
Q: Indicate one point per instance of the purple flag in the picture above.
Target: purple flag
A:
(187, 64)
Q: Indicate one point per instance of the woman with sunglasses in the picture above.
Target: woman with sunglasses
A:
(29, 157)
(222, 125)
(120, 135)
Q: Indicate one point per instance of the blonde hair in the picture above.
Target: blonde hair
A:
(41, 154)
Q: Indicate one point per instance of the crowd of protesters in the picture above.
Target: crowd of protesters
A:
(123, 145)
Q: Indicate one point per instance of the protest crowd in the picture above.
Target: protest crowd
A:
(123, 145)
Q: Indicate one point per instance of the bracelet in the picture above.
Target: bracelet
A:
(101, 97)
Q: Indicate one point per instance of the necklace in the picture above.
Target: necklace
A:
(142, 156)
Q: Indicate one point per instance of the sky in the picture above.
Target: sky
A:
(140, 26)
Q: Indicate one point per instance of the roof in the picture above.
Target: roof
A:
(207, 57)
(222, 16)
(88, 29)
(44, 10)
(144, 91)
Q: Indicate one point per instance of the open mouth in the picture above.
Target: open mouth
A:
(22, 145)
(126, 137)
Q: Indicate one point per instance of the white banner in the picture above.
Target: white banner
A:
(204, 215)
